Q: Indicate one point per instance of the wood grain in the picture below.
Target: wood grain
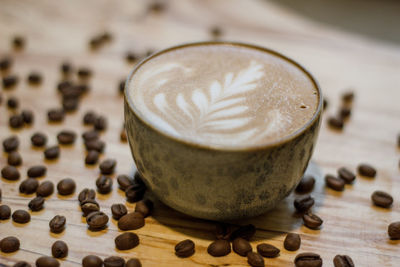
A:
(59, 30)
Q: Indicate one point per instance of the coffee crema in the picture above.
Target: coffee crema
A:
(223, 95)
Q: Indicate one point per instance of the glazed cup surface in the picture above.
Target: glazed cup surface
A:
(219, 183)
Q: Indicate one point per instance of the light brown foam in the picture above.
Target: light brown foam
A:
(223, 95)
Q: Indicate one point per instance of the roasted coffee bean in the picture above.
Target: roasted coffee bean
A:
(45, 189)
(95, 42)
(100, 123)
(334, 183)
(28, 186)
(36, 204)
(348, 96)
(66, 68)
(185, 248)
(306, 184)
(59, 249)
(308, 259)
(46, 261)
(10, 143)
(223, 231)
(18, 42)
(292, 242)
(5, 63)
(126, 241)
(35, 78)
(216, 32)
(104, 184)
(114, 261)
(5, 212)
(347, 176)
(84, 73)
(241, 246)
(9, 244)
(90, 135)
(37, 171)
(246, 232)
(382, 199)
(312, 221)
(131, 221)
(219, 248)
(38, 139)
(144, 207)
(135, 192)
(156, 7)
(92, 157)
(124, 181)
(255, 259)
(14, 159)
(267, 250)
(133, 262)
(86, 194)
(21, 216)
(121, 86)
(70, 104)
(27, 116)
(122, 136)
(52, 152)
(22, 264)
(55, 115)
(89, 118)
(10, 81)
(108, 166)
(92, 261)
(366, 170)
(394, 230)
(118, 210)
(64, 86)
(66, 137)
(344, 112)
(303, 204)
(16, 121)
(130, 57)
(343, 261)
(97, 220)
(12, 102)
(336, 123)
(10, 173)
(66, 186)
(88, 206)
(96, 145)
(57, 224)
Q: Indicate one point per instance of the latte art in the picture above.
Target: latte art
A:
(222, 95)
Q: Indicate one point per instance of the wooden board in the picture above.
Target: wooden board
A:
(59, 30)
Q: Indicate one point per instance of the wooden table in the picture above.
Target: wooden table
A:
(59, 30)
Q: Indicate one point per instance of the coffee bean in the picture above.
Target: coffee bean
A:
(89, 118)
(219, 248)
(35, 78)
(394, 230)
(55, 115)
(144, 207)
(245, 232)
(348, 96)
(92, 157)
(133, 262)
(306, 184)
(45, 189)
(14, 159)
(308, 259)
(10, 143)
(36, 204)
(28, 186)
(185, 248)
(126, 241)
(334, 183)
(223, 231)
(344, 112)
(96, 145)
(118, 210)
(124, 181)
(84, 73)
(38, 139)
(121, 86)
(114, 261)
(10, 81)
(215, 32)
(37, 171)
(86, 194)
(12, 102)
(366, 170)
(10, 173)
(21, 216)
(66, 137)
(46, 261)
(347, 176)
(18, 42)
(59, 249)
(122, 136)
(97, 220)
(267, 250)
(88, 206)
(70, 104)
(382, 199)
(9, 244)
(135, 192)
(5, 212)
(5, 63)
(16, 121)
(66, 68)
(343, 261)
(52, 152)
(95, 42)
(312, 221)
(131, 221)
(108, 166)
(104, 184)
(241, 246)
(27, 116)
(66, 186)
(130, 57)
(336, 123)
(57, 224)
(303, 204)
(64, 86)
(255, 259)
(22, 264)
(92, 261)
(292, 242)
(90, 135)
(100, 123)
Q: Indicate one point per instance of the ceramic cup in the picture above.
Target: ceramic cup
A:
(214, 183)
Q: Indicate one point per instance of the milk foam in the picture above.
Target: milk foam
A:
(223, 95)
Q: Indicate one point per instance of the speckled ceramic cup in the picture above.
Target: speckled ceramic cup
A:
(219, 183)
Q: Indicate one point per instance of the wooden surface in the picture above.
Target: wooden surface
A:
(59, 30)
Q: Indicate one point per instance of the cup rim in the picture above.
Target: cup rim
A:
(256, 147)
